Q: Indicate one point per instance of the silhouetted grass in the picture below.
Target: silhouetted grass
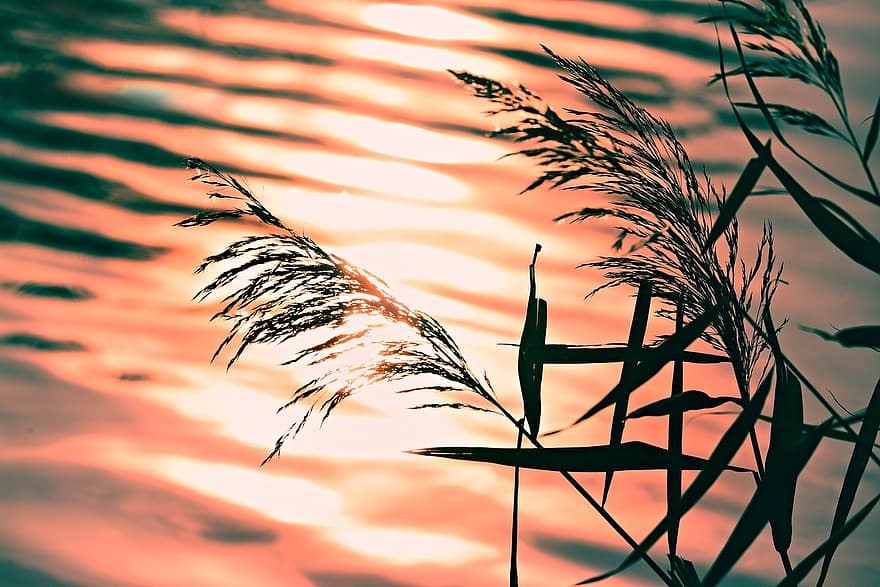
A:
(672, 246)
(283, 287)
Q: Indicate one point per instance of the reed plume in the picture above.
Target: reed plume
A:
(282, 287)
(634, 160)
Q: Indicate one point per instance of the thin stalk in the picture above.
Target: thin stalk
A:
(673, 445)
(586, 495)
(514, 525)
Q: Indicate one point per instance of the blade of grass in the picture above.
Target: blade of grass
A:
(854, 336)
(786, 430)
(692, 399)
(760, 509)
(571, 354)
(527, 346)
(674, 435)
(652, 364)
(726, 449)
(628, 456)
(744, 186)
(873, 131)
(800, 572)
(854, 471)
(832, 433)
(848, 218)
(638, 326)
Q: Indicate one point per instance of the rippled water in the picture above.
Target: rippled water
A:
(127, 459)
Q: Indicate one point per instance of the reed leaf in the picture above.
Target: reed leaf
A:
(854, 336)
(800, 572)
(873, 131)
(785, 433)
(627, 456)
(674, 434)
(575, 354)
(690, 400)
(529, 365)
(718, 461)
(854, 472)
(761, 508)
(638, 326)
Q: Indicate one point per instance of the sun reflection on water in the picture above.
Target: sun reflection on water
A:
(428, 22)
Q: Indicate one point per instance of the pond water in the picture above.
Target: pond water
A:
(129, 459)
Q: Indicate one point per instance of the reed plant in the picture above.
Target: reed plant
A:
(678, 243)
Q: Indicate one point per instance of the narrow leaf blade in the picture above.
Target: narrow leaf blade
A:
(785, 431)
(873, 131)
(744, 186)
(527, 346)
(854, 471)
(639, 325)
(854, 336)
(759, 510)
(628, 456)
(674, 435)
(806, 565)
(692, 399)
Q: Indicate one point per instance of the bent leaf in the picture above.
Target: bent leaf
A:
(639, 324)
(854, 336)
(785, 432)
(628, 456)
(854, 471)
(574, 354)
(692, 399)
(530, 371)
(873, 130)
(806, 565)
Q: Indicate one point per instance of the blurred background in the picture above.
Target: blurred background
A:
(128, 459)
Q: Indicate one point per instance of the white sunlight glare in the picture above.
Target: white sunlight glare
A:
(428, 22)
